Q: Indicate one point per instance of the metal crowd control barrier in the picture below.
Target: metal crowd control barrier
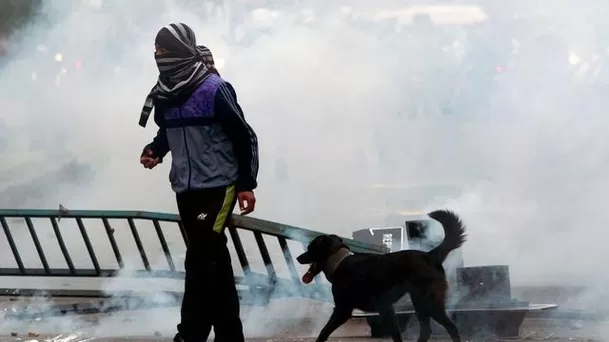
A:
(89, 244)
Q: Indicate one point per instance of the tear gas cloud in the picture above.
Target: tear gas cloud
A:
(354, 123)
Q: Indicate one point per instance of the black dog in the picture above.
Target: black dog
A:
(373, 283)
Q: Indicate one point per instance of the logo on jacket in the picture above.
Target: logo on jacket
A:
(202, 216)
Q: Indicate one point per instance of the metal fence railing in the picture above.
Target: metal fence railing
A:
(106, 244)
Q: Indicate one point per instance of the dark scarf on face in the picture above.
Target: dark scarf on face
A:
(182, 67)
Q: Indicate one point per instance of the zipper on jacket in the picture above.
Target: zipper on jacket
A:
(186, 148)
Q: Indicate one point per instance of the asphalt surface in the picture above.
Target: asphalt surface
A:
(354, 331)
(282, 321)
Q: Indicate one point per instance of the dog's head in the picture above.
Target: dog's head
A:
(317, 253)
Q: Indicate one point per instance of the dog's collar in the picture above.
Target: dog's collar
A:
(334, 261)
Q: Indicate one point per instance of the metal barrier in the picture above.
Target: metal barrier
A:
(256, 286)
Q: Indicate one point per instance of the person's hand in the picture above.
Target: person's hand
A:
(148, 159)
(247, 202)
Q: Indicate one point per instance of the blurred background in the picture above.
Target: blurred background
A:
(365, 111)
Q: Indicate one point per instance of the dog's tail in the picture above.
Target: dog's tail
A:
(454, 233)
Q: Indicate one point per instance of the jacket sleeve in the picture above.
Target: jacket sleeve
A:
(245, 141)
(159, 145)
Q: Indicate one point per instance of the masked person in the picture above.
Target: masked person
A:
(214, 164)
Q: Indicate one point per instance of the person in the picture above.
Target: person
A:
(214, 164)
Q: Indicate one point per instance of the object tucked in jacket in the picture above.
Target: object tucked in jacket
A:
(211, 144)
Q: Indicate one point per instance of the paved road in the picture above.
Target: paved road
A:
(355, 331)
(340, 339)
(284, 321)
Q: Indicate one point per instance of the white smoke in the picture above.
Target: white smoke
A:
(340, 107)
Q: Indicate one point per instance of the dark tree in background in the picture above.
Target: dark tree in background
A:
(14, 14)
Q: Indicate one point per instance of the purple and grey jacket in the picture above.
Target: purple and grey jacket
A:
(211, 144)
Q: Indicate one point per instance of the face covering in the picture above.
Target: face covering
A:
(182, 65)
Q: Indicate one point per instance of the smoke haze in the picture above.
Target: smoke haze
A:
(354, 123)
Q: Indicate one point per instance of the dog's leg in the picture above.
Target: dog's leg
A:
(423, 318)
(339, 317)
(388, 315)
(434, 307)
(440, 316)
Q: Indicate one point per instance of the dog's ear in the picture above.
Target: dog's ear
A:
(336, 241)
(336, 237)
